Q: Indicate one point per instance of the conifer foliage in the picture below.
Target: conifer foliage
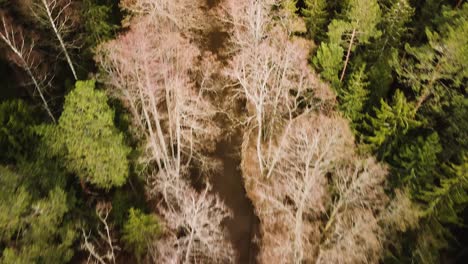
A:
(94, 148)
(345, 120)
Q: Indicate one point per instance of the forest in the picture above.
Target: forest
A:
(233, 131)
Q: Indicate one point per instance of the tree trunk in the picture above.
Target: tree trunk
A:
(59, 37)
(347, 55)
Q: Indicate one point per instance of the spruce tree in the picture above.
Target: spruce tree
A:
(415, 163)
(329, 61)
(390, 124)
(437, 70)
(97, 22)
(315, 15)
(358, 26)
(394, 26)
(354, 96)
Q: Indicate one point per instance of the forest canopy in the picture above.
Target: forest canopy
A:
(233, 131)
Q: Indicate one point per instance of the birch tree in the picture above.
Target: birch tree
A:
(55, 15)
(23, 54)
(200, 222)
(269, 70)
(149, 68)
(313, 146)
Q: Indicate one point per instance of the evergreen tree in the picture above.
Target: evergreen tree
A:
(33, 231)
(390, 124)
(94, 148)
(396, 16)
(358, 26)
(431, 68)
(445, 202)
(415, 163)
(316, 16)
(453, 126)
(97, 22)
(139, 231)
(14, 204)
(444, 205)
(354, 96)
(329, 61)
(16, 134)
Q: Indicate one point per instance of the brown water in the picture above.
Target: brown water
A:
(229, 186)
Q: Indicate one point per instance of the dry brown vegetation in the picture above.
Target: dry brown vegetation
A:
(151, 68)
(317, 200)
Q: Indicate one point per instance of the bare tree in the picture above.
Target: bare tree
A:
(201, 238)
(352, 233)
(180, 15)
(270, 71)
(105, 242)
(292, 201)
(151, 69)
(17, 44)
(55, 15)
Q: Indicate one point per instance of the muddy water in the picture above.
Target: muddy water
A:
(229, 186)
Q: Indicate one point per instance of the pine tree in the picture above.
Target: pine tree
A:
(390, 124)
(315, 15)
(329, 61)
(354, 96)
(94, 148)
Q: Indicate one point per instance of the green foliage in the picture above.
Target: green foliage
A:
(364, 15)
(394, 23)
(431, 68)
(454, 128)
(446, 201)
(290, 5)
(97, 22)
(416, 163)
(14, 203)
(443, 205)
(95, 150)
(390, 123)
(329, 61)
(41, 234)
(316, 16)
(336, 30)
(139, 231)
(361, 16)
(16, 135)
(354, 96)
(396, 16)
